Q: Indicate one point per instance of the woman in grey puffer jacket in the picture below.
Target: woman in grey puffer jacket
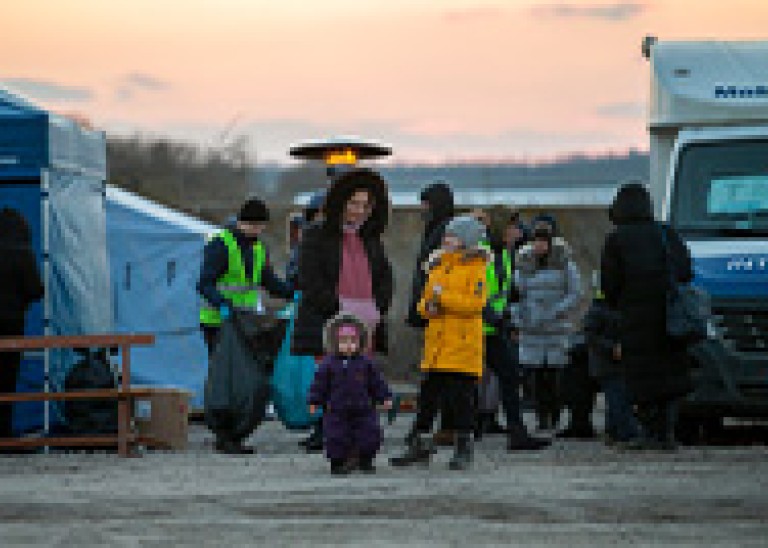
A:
(549, 285)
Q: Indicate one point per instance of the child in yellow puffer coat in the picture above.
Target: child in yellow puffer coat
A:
(452, 302)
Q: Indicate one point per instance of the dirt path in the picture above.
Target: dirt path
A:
(576, 493)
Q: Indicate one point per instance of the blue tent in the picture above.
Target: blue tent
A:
(155, 255)
(53, 170)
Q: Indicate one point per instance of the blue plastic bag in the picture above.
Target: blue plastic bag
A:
(291, 380)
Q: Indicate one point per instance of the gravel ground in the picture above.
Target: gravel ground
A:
(575, 493)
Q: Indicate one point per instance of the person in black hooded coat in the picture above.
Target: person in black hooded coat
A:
(437, 201)
(20, 286)
(320, 263)
(635, 278)
(320, 255)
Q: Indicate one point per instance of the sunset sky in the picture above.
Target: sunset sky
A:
(438, 79)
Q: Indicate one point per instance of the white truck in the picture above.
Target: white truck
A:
(708, 125)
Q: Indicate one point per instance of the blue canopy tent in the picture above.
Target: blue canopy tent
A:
(155, 255)
(53, 170)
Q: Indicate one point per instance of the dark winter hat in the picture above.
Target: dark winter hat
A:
(545, 219)
(253, 211)
(542, 233)
(467, 229)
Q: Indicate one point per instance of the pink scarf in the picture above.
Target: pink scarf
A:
(355, 287)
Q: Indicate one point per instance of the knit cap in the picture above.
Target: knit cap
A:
(254, 211)
(467, 229)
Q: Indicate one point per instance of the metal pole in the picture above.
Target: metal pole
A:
(45, 204)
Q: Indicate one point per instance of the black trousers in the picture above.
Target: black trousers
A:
(447, 391)
(658, 418)
(579, 389)
(9, 373)
(210, 336)
(547, 394)
(501, 358)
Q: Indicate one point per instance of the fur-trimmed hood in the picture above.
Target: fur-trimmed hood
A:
(558, 259)
(330, 338)
(467, 255)
(340, 191)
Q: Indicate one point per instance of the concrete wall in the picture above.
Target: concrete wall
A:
(584, 229)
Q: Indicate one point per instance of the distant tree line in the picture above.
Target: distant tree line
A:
(208, 182)
(211, 182)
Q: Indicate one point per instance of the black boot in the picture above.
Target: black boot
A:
(578, 430)
(462, 456)
(366, 465)
(493, 426)
(418, 451)
(480, 426)
(341, 467)
(544, 420)
(314, 443)
(520, 440)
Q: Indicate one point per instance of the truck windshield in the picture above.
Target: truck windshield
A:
(722, 186)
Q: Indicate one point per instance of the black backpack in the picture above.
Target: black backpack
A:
(92, 372)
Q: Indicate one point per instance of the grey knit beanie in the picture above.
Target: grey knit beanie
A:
(467, 229)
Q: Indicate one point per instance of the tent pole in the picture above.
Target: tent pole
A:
(47, 317)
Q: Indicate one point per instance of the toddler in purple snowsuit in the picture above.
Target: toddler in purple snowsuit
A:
(348, 385)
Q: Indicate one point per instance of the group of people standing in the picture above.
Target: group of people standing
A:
(491, 296)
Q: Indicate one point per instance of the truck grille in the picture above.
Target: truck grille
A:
(743, 330)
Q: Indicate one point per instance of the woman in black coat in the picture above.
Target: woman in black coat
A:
(320, 264)
(635, 278)
(20, 286)
(320, 256)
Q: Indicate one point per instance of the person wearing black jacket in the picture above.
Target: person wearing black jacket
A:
(20, 286)
(246, 230)
(343, 264)
(602, 330)
(320, 260)
(438, 209)
(237, 247)
(635, 279)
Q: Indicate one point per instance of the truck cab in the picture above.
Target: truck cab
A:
(708, 125)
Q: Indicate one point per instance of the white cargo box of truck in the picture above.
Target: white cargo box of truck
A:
(700, 85)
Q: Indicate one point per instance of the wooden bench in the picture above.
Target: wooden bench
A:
(125, 440)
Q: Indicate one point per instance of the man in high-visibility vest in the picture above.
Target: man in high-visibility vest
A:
(500, 350)
(235, 266)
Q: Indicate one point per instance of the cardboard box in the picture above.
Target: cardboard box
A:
(164, 417)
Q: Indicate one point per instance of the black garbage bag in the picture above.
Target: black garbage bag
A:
(92, 372)
(239, 373)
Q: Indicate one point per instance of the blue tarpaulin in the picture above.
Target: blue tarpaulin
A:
(155, 255)
(53, 170)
